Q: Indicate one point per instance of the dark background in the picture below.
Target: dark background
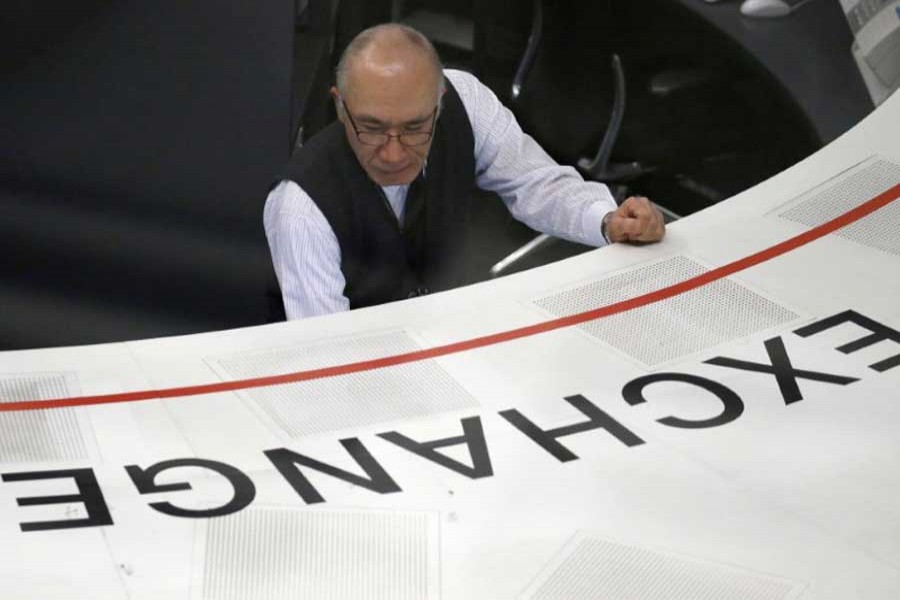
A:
(139, 140)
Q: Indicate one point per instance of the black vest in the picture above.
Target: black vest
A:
(380, 261)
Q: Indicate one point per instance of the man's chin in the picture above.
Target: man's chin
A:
(403, 177)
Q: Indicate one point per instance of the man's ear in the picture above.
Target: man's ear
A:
(336, 96)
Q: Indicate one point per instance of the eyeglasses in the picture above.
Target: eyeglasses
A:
(380, 138)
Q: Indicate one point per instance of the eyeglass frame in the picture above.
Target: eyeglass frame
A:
(389, 136)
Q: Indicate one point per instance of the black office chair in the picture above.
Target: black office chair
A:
(599, 166)
(314, 58)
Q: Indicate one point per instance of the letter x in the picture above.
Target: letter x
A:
(785, 373)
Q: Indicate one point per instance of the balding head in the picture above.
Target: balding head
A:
(389, 84)
(388, 49)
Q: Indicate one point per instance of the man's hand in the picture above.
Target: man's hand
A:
(636, 220)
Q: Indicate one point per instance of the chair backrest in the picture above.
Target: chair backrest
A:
(565, 97)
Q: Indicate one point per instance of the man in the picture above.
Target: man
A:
(374, 207)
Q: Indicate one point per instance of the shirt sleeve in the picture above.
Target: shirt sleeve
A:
(546, 196)
(305, 253)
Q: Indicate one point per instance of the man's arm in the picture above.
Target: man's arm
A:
(544, 195)
(305, 253)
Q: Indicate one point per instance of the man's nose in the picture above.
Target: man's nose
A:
(392, 151)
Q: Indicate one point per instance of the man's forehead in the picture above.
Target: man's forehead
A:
(372, 78)
(387, 67)
(412, 113)
(385, 100)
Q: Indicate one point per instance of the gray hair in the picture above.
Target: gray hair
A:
(368, 36)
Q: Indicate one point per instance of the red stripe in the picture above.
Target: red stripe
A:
(784, 247)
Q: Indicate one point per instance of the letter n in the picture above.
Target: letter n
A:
(287, 462)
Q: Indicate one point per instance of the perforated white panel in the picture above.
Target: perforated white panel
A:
(712, 314)
(879, 230)
(39, 435)
(590, 568)
(280, 554)
(415, 389)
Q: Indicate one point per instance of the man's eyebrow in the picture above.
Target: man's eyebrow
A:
(370, 120)
(376, 122)
(419, 120)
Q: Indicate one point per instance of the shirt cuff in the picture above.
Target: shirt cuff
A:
(592, 221)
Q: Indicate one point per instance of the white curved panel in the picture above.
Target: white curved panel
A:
(716, 414)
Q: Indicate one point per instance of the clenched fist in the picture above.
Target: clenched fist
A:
(636, 220)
